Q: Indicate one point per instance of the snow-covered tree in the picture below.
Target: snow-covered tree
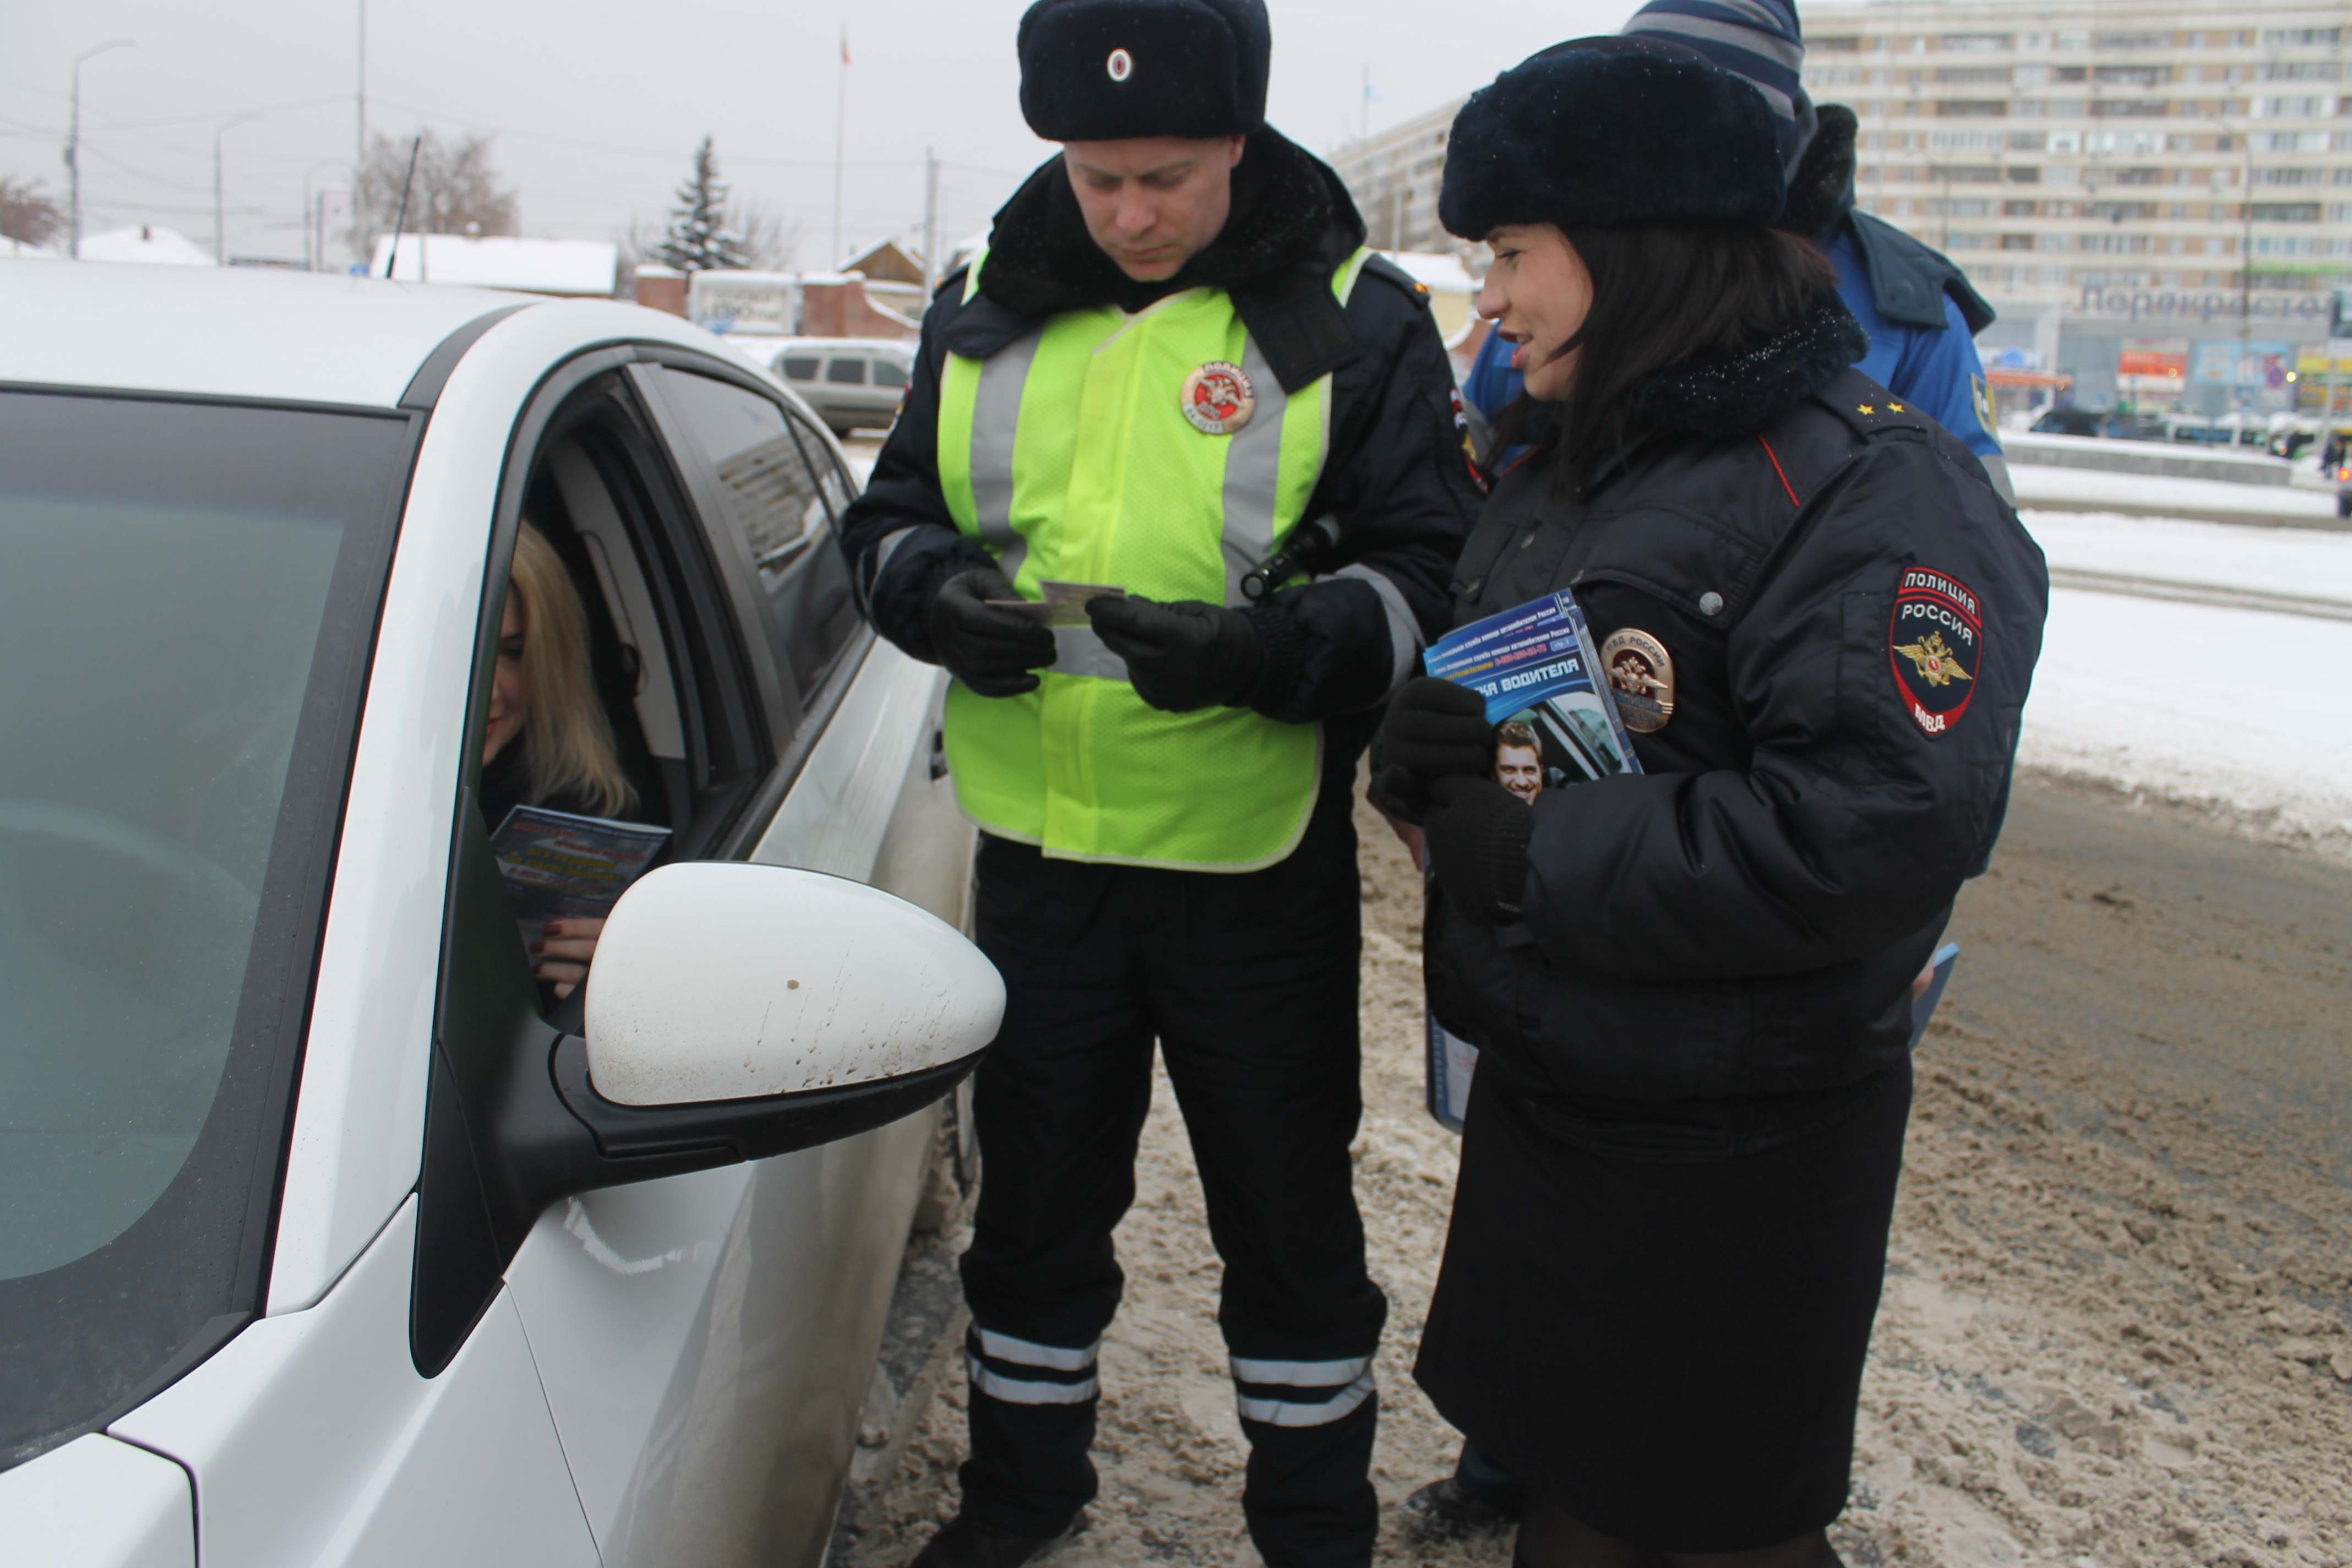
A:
(701, 236)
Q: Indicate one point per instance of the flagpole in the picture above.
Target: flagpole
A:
(840, 137)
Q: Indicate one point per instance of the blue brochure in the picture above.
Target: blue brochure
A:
(1556, 725)
(1923, 1006)
(1540, 673)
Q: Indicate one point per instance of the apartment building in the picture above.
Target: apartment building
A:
(1394, 177)
(2155, 194)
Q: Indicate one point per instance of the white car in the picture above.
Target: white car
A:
(323, 1239)
(851, 384)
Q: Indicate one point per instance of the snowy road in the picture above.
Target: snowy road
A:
(2240, 707)
(2075, 489)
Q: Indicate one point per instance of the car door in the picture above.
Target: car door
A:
(706, 1342)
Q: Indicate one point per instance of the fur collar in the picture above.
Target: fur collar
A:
(1727, 398)
(1289, 212)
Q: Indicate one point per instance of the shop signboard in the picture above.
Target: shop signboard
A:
(2217, 362)
(2153, 366)
(2311, 373)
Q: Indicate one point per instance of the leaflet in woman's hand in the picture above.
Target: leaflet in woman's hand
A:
(557, 866)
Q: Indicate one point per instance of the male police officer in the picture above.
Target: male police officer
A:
(1174, 372)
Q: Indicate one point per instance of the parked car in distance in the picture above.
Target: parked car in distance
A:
(853, 384)
(318, 1208)
(2196, 429)
(2072, 421)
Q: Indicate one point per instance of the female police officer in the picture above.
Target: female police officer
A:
(1691, 985)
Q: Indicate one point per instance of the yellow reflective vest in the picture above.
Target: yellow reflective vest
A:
(1103, 447)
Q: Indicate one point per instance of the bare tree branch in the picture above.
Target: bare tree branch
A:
(26, 216)
(456, 190)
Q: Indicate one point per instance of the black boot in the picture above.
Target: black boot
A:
(962, 1543)
(1448, 1511)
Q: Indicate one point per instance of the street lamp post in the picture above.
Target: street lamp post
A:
(73, 139)
(220, 235)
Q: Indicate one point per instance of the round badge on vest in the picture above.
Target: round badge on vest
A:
(1121, 65)
(1218, 398)
(1641, 679)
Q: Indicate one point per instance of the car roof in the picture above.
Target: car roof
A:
(227, 332)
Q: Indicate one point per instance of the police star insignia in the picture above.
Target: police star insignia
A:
(1865, 408)
(1936, 664)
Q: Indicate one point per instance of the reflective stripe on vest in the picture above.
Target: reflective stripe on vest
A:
(1068, 455)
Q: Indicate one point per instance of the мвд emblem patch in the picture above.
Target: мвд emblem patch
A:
(1935, 644)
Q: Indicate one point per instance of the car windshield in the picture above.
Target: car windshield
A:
(171, 574)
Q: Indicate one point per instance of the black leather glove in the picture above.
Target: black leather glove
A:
(1436, 729)
(1181, 655)
(992, 651)
(1476, 833)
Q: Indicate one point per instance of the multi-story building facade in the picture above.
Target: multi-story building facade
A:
(2163, 188)
(1394, 177)
(2157, 194)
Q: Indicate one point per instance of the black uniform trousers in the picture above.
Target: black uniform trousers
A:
(1248, 981)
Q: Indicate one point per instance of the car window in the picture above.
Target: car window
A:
(796, 367)
(186, 593)
(889, 373)
(845, 371)
(784, 493)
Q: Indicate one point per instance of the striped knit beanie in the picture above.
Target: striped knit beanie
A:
(1758, 39)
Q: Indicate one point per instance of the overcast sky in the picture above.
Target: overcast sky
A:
(597, 104)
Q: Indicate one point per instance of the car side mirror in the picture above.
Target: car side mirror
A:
(720, 981)
(734, 1012)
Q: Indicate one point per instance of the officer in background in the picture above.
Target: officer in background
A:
(1918, 306)
(1175, 371)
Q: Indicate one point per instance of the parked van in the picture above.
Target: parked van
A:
(852, 383)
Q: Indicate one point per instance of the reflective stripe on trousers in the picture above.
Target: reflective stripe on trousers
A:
(1300, 1393)
(1057, 1375)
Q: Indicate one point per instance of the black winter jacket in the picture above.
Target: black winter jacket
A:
(1396, 479)
(1717, 953)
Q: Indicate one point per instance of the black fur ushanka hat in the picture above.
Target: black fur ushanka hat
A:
(1105, 70)
(1606, 132)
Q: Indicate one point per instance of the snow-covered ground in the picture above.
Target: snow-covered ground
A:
(2304, 562)
(2246, 707)
(2038, 482)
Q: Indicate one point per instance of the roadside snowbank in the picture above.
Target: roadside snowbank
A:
(2293, 560)
(2236, 707)
(2240, 709)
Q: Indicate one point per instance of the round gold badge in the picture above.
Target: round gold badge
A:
(1641, 679)
(1218, 398)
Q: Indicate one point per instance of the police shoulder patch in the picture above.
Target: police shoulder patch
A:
(1935, 645)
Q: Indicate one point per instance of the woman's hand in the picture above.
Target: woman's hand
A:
(1438, 730)
(1477, 834)
(564, 951)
